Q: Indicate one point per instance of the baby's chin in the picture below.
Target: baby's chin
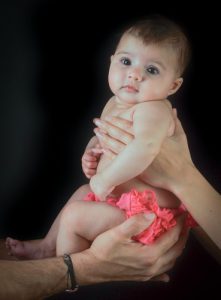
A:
(128, 100)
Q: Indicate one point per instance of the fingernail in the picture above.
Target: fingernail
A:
(149, 216)
(97, 121)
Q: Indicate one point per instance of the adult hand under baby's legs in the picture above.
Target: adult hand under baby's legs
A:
(118, 257)
(81, 222)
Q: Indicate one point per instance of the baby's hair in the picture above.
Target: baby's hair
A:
(157, 29)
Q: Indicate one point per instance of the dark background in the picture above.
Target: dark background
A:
(53, 81)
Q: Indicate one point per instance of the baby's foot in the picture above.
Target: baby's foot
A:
(33, 249)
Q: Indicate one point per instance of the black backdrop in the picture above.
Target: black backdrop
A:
(53, 81)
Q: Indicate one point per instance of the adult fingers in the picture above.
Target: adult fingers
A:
(119, 122)
(168, 239)
(109, 142)
(174, 252)
(135, 225)
(109, 153)
(122, 123)
(117, 128)
(167, 261)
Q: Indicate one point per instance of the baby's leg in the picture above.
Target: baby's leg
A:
(46, 247)
(82, 221)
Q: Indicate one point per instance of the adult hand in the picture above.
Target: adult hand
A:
(118, 258)
(167, 166)
(170, 164)
(115, 133)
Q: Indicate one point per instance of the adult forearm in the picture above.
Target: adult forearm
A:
(39, 279)
(201, 200)
(32, 279)
(111, 257)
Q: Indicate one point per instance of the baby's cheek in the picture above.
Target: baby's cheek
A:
(115, 80)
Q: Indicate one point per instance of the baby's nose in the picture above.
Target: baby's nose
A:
(135, 74)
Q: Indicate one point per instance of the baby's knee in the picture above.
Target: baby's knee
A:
(80, 193)
(117, 217)
(109, 215)
(70, 215)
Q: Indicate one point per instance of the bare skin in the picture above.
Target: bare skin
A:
(31, 249)
(166, 173)
(41, 248)
(174, 170)
(46, 247)
(113, 256)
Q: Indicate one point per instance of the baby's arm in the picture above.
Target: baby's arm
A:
(93, 151)
(151, 122)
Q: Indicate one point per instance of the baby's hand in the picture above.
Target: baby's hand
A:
(90, 161)
(99, 188)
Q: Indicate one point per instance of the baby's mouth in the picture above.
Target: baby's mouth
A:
(130, 88)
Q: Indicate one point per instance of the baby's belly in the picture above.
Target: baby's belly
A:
(164, 198)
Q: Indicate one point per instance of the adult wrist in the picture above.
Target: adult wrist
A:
(183, 181)
(86, 268)
(72, 285)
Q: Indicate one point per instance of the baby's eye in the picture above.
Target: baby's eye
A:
(125, 61)
(152, 70)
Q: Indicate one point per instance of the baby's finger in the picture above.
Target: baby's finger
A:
(87, 157)
(90, 174)
(90, 164)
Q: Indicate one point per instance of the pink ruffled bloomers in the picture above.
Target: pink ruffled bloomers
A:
(135, 202)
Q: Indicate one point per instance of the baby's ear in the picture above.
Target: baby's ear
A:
(175, 86)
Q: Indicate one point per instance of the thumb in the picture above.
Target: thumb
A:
(136, 224)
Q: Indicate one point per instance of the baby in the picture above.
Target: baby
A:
(145, 69)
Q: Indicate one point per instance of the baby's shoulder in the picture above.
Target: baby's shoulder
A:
(153, 106)
(155, 111)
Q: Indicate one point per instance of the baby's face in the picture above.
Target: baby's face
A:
(139, 73)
